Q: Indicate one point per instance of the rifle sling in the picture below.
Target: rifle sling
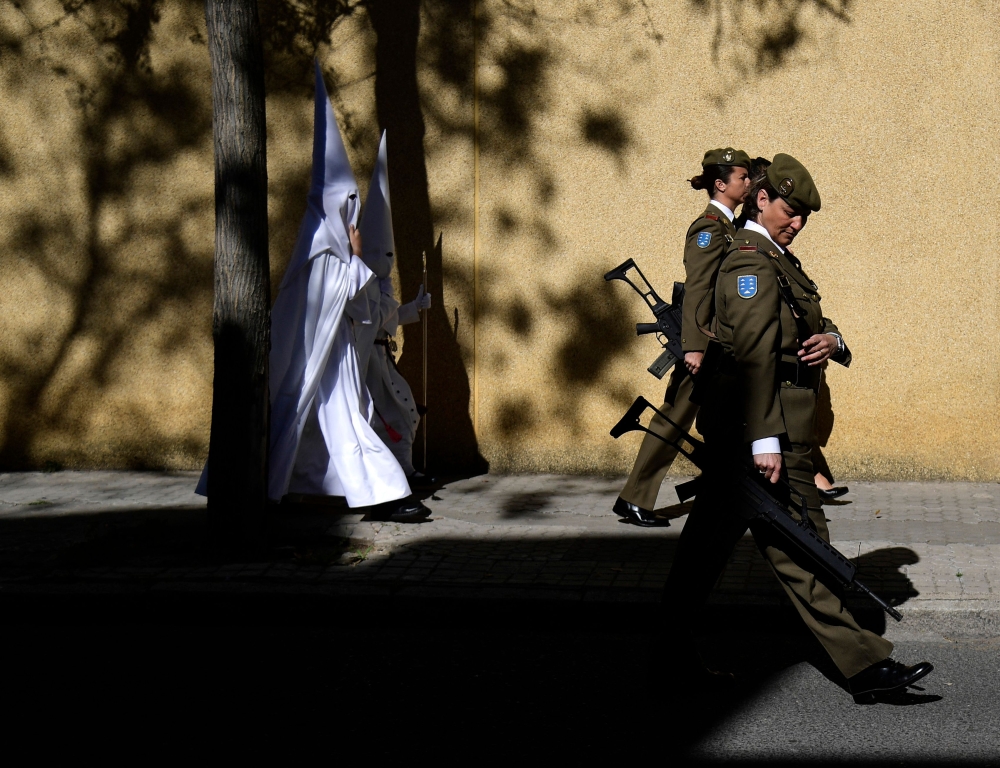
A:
(803, 375)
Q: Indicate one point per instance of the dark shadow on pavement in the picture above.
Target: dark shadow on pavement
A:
(558, 659)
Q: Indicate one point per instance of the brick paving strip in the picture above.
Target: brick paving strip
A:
(934, 548)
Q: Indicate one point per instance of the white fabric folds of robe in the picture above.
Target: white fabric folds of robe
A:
(321, 438)
(395, 406)
(395, 417)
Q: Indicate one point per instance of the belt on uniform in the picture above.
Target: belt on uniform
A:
(799, 374)
(795, 373)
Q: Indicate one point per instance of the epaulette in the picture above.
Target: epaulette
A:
(711, 216)
(748, 247)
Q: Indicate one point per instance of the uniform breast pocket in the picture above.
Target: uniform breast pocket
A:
(798, 407)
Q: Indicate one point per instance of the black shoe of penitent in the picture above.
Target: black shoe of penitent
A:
(409, 511)
(418, 480)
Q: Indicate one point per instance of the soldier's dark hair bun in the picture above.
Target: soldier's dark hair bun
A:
(709, 175)
(758, 166)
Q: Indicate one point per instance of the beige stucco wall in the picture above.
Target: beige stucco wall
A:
(565, 131)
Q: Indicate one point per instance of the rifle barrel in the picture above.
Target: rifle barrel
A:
(882, 603)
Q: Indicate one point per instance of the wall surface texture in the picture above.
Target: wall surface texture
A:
(532, 147)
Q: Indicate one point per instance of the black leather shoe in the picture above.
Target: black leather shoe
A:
(833, 493)
(638, 515)
(885, 677)
(410, 511)
(420, 480)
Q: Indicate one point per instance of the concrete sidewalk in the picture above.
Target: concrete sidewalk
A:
(931, 548)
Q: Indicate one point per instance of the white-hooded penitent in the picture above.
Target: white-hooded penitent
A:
(395, 418)
(321, 438)
(378, 252)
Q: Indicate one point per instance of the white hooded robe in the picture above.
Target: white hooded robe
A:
(395, 417)
(321, 438)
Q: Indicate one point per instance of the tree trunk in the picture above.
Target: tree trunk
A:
(237, 478)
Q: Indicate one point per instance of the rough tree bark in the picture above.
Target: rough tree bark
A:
(237, 475)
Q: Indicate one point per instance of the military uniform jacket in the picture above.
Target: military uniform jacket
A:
(755, 325)
(704, 250)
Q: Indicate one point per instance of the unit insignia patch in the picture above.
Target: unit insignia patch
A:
(704, 238)
(746, 285)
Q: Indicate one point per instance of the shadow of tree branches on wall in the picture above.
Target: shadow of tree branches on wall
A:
(101, 245)
(772, 31)
(107, 237)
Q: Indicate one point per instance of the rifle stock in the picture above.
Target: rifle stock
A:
(668, 316)
(757, 503)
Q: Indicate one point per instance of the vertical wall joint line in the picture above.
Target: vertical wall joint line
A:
(475, 218)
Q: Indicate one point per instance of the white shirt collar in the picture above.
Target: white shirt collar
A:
(729, 214)
(754, 226)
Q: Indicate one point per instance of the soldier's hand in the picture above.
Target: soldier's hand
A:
(769, 464)
(355, 237)
(692, 360)
(817, 349)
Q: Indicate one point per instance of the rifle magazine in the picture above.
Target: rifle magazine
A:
(662, 364)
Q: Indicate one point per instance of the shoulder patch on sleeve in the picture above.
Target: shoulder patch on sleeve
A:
(746, 286)
(704, 238)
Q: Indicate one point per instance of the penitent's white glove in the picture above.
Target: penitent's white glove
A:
(423, 300)
(410, 313)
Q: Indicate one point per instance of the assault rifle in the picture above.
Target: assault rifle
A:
(668, 317)
(756, 503)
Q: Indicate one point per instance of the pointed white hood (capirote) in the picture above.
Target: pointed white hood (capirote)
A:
(378, 245)
(378, 250)
(333, 202)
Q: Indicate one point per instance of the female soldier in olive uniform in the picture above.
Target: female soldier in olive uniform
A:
(725, 177)
(775, 337)
(824, 417)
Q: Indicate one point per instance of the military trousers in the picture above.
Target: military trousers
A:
(712, 531)
(655, 456)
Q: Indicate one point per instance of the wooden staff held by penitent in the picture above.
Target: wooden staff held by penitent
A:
(424, 320)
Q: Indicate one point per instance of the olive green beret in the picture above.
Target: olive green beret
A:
(792, 181)
(727, 156)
